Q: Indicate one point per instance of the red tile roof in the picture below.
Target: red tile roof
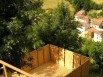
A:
(85, 24)
(81, 12)
(94, 30)
(86, 17)
(97, 21)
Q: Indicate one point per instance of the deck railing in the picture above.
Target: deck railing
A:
(14, 68)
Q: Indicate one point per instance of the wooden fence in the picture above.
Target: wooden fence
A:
(13, 68)
(63, 57)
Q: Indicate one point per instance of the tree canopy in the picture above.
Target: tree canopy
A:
(57, 27)
(25, 26)
(85, 4)
(17, 32)
(93, 50)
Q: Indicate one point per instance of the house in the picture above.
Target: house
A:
(97, 24)
(83, 29)
(89, 30)
(82, 12)
(94, 34)
(97, 37)
(82, 17)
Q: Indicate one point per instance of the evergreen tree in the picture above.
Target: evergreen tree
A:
(58, 28)
(94, 50)
(17, 29)
(85, 4)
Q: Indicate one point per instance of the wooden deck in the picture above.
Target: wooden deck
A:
(50, 69)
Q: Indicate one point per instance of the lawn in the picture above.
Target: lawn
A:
(53, 3)
(98, 1)
(94, 11)
(50, 3)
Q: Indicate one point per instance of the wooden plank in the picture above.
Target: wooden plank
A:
(46, 53)
(61, 56)
(26, 68)
(31, 61)
(54, 53)
(35, 59)
(85, 69)
(50, 69)
(68, 59)
(5, 71)
(27, 63)
(14, 68)
(77, 58)
(83, 59)
(40, 56)
(77, 72)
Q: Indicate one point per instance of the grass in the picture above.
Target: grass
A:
(50, 3)
(98, 1)
(53, 4)
(94, 11)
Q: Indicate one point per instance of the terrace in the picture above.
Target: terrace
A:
(53, 61)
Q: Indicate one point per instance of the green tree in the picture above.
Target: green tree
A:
(57, 27)
(98, 56)
(93, 50)
(11, 8)
(87, 45)
(85, 4)
(18, 29)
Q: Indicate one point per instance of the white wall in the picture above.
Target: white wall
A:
(97, 37)
(81, 20)
(82, 31)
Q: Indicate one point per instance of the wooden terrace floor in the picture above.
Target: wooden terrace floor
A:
(50, 69)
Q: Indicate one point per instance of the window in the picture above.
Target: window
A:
(97, 37)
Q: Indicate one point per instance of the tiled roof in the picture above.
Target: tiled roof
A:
(97, 21)
(81, 12)
(83, 17)
(87, 25)
(94, 30)
(86, 17)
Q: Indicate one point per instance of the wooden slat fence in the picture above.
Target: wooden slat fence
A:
(61, 56)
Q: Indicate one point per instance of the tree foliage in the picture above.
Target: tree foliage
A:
(93, 50)
(11, 8)
(29, 27)
(57, 27)
(96, 14)
(85, 4)
(17, 29)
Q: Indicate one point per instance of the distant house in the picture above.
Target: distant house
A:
(82, 17)
(97, 36)
(82, 12)
(89, 30)
(83, 29)
(97, 24)
(94, 34)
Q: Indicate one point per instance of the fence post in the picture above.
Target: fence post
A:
(73, 61)
(58, 55)
(37, 57)
(81, 64)
(5, 71)
(43, 55)
(64, 57)
(50, 51)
